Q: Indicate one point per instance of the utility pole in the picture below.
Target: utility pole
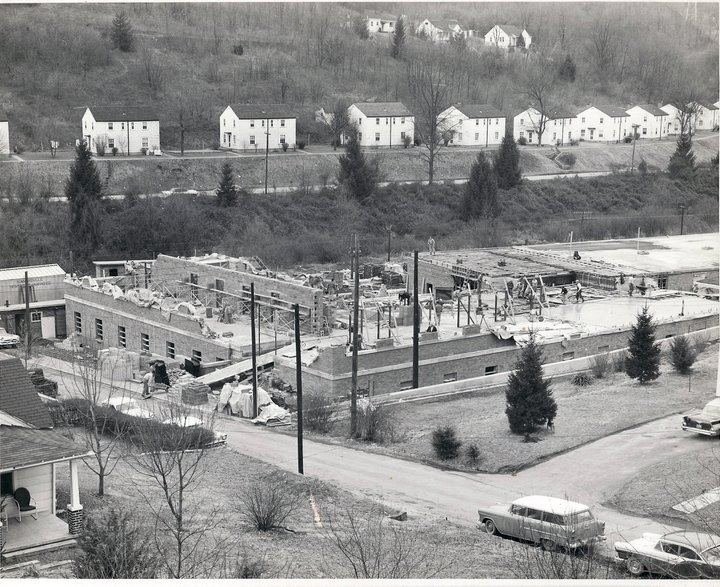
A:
(254, 350)
(27, 319)
(355, 343)
(298, 385)
(682, 218)
(389, 234)
(416, 325)
(632, 164)
(267, 150)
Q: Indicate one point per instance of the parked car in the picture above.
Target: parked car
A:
(689, 555)
(179, 192)
(8, 340)
(548, 521)
(706, 422)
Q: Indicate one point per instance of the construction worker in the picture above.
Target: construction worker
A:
(510, 286)
(563, 294)
(431, 245)
(578, 293)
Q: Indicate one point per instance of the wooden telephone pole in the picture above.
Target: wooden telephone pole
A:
(298, 385)
(254, 349)
(416, 326)
(355, 341)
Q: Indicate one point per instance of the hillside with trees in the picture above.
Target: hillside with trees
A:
(189, 61)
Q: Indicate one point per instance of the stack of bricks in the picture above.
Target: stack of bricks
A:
(195, 393)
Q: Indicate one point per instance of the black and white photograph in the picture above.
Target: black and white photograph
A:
(328, 292)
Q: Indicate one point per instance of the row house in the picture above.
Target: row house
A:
(649, 120)
(252, 126)
(4, 136)
(557, 127)
(705, 117)
(130, 130)
(442, 31)
(602, 123)
(382, 124)
(375, 24)
(507, 36)
(475, 125)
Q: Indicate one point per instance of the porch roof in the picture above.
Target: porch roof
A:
(23, 447)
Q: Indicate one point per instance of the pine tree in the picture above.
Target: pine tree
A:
(84, 191)
(358, 176)
(226, 191)
(567, 70)
(643, 362)
(507, 164)
(398, 38)
(682, 354)
(481, 190)
(682, 162)
(529, 399)
(122, 33)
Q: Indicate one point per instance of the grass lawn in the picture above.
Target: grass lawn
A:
(654, 490)
(584, 414)
(304, 552)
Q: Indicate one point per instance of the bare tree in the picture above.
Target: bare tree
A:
(270, 502)
(538, 85)
(603, 45)
(153, 70)
(429, 87)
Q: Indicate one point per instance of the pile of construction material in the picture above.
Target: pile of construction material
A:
(193, 392)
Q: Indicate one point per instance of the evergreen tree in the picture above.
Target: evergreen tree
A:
(529, 400)
(682, 354)
(567, 70)
(507, 164)
(84, 191)
(358, 176)
(481, 190)
(643, 361)
(339, 123)
(226, 191)
(122, 33)
(360, 27)
(682, 162)
(520, 43)
(398, 38)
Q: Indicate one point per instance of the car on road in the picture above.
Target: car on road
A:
(8, 340)
(179, 192)
(684, 555)
(706, 422)
(548, 521)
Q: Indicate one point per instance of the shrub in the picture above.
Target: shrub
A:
(600, 366)
(618, 362)
(238, 49)
(19, 148)
(581, 379)
(628, 139)
(574, 142)
(377, 424)
(643, 167)
(407, 141)
(318, 412)
(472, 452)
(301, 145)
(566, 159)
(100, 148)
(522, 141)
(114, 151)
(284, 147)
(249, 568)
(445, 443)
(682, 354)
(113, 546)
(144, 150)
(417, 141)
(269, 502)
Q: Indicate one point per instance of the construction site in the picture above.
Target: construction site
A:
(477, 308)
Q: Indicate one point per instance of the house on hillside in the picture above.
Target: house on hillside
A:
(650, 120)
(442, 31)
(706, 116)
(382, 124)
(603, 123)
(506, 36)
(477, 125)
(46, 290)
(672, 122)
(376, 24)
(4, 136)
(255, 126)
(32, 454)
(131, 130)
(558, 127)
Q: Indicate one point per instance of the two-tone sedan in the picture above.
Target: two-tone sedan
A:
(685, 555)
(706, 422)
(548, 521)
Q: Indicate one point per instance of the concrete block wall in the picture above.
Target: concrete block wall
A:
(169, 270)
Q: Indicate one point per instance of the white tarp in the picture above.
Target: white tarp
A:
(239, 399)
(272, 415)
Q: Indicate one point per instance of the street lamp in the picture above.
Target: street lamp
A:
(632, 164)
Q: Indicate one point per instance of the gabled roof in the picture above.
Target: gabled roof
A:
(511, 29)
(52, 270)
(22, 447)
(650, 109)
(452, 24)
(120, 113)
(18, 397)
(552, 115)
(612, 111)
(371, 109)
(708, 106)
(258, 111)
(479, 110)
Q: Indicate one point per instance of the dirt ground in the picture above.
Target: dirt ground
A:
(584, 414)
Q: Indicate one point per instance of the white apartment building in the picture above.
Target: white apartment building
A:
(130, 130)
(650, 120)
(382, 124)
(558, 127)
(4, 136)
(376, 24)
(506, 36)
(478, 125)
(706, 117)
(602, 123)
(256, 127)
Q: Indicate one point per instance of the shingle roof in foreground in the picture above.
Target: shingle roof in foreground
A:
(120, 113)
(18, 396)
(258, 111)
(22, 447)
(383, 109)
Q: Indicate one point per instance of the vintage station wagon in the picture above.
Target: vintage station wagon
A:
(548, 521)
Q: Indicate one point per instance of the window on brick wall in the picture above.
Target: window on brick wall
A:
(568, 355)
(491, 370)
(170, 349)
(78, 322)
(448, 377)
(35, 316)
(662, 282)
(98, 330)
(144, 342)
(197, 355)
(122, 341)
